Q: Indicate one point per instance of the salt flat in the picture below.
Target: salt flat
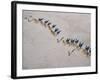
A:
(40, 48)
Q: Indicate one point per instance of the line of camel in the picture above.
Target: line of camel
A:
(66, 41)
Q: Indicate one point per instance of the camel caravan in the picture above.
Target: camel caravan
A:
(55, 31)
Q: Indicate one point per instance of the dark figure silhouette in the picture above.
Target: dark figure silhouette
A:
(87, 48)
(53, 26)
(40, 19)
(68, 41)
(46, 21)
(72, 41)
(49, 24)
(76, 41)
(56, 30)
(80, 45)
(90, 50)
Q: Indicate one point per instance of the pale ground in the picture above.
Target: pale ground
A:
(40, 47)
